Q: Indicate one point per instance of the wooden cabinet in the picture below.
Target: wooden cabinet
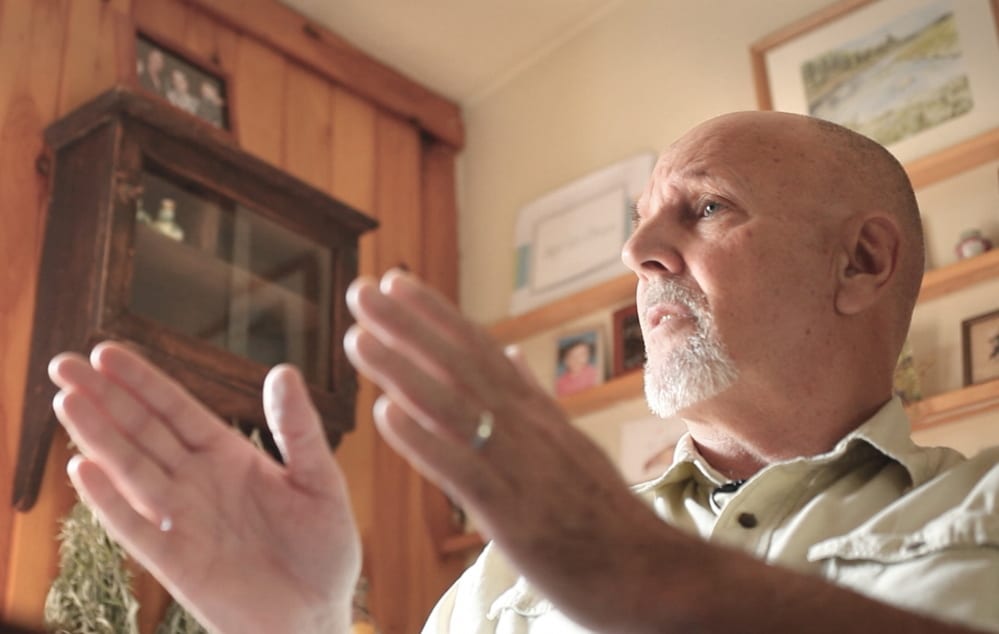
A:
(161, 232)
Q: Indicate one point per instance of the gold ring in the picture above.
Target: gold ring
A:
(483, 431)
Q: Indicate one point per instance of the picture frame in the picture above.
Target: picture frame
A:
(570, 238)
(980, 346)
(189, 83)
(628, 344)
(579, 361)
(882, 87)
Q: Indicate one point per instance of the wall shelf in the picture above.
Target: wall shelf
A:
(946, 407)
(954, 277)
(620, 388)
(555, 314)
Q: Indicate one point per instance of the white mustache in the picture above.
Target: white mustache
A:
(665, 291)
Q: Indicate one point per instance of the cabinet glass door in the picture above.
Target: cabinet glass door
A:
(217, 271)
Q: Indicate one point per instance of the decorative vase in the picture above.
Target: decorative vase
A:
(972, 243)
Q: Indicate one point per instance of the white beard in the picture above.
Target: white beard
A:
(694, 370)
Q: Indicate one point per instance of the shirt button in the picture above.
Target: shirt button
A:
(747, 520)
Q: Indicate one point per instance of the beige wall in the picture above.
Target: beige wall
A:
(633, 81)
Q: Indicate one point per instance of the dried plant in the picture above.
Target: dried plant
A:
(92, 594)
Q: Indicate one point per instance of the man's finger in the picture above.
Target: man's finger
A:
(144, 482)
(442, 409)
(191, 421)
(455, 467)
(142, 538)
(142, 427)
(297, 428)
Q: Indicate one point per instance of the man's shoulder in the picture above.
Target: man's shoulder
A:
(955, 506)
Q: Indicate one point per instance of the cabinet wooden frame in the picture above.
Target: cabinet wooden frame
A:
(97, 158)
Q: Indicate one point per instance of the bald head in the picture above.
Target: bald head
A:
(842, 174)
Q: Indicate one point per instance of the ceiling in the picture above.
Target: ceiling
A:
(462, 49)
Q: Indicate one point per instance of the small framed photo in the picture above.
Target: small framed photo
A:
(188, 83)
(980, 340)
(580, 362)
(629, 347)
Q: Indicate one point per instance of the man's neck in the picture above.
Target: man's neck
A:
(740, 441)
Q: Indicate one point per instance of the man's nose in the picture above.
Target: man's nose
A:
(649, 251)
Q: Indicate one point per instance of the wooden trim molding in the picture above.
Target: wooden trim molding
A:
(334, 57)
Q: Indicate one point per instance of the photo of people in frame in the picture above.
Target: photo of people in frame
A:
(183, 84)
(580, 365)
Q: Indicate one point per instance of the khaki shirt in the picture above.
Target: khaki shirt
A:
(912, 526)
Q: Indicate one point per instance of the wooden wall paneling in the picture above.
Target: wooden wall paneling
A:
(257, 92)
(440, 218)
(31, 43)
(307, 127)
(97, 44)
(353, 181)
(209, 40)
(167, 17)
(34, 560)
(353, 166)
(334, 57)
(440, 268)
(393, 588)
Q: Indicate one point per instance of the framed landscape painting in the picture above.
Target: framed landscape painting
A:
(917, 76)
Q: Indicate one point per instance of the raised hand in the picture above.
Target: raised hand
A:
(549, 497)
(246, 544)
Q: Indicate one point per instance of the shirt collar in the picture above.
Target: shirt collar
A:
(887, 431)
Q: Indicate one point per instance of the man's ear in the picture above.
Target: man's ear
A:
(868, 261)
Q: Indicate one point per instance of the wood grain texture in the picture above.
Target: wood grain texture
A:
(308, 127)
(397, 201)
(439, 238)
(353, 155)
(353, 181)
(31, 33)
(97, 35)
(257, 92)
(323, 51)
(371, 158)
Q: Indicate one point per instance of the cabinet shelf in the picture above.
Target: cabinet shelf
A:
(946, 407)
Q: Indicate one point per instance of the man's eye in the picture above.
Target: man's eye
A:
(710, 208)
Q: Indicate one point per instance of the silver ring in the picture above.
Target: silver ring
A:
(483, 431)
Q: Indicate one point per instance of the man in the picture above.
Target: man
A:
(778, 260)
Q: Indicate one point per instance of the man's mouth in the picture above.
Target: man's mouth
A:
(667, 315)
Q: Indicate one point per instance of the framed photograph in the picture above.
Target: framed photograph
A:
(570, 239)
(192, 85)
(629, 347)
(580, 361)
(980, 340)
(918, 76)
